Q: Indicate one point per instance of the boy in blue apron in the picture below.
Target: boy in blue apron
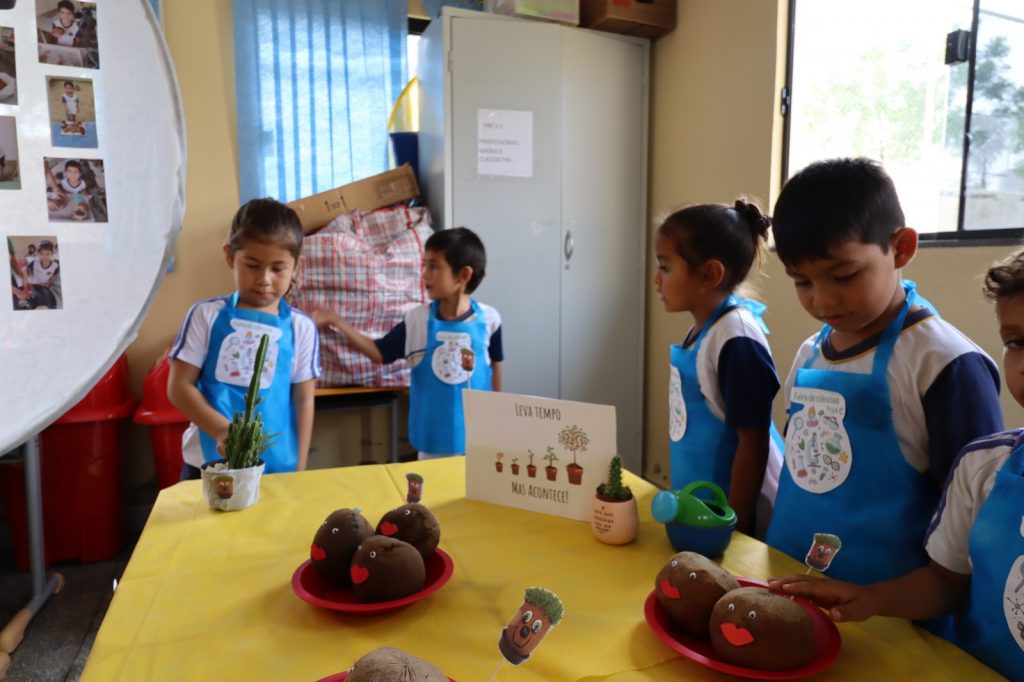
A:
(452, 343)
(880, 401)
(976, 538)
(212, 357)
(722, 378)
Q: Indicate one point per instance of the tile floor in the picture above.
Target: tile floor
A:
(59, 637)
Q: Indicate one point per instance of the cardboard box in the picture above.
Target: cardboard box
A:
(641, 18)
(561, 11)
(367, 194)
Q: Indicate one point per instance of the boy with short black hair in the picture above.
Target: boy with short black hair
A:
(975, 540)
(882, 399)
(451, 343)
(44, 269)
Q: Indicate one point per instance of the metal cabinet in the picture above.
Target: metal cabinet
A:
(566, 238)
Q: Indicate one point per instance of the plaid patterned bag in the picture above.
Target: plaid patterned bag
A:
(366, 267)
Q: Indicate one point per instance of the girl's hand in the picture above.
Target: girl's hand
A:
(844, 601)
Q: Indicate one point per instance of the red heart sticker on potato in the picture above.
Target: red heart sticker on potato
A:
(669, 590)
(317, 553)
(359, 574)
(388, 528)
(736, 635)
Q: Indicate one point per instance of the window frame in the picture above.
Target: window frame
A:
(958, 237)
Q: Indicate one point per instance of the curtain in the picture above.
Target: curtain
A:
(315, 82)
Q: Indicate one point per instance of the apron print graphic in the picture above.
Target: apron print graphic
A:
(818, 451)
(1013, 601)
(676, 406)
(237, 353)
(453, 360)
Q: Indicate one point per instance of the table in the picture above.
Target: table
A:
(359, 397)
(206, 595)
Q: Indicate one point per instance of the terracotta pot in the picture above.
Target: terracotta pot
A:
(531, 470)
(231, 489)
(614, 522)
(575, 473)
(498, 466)
(515, 469)
(552, 473)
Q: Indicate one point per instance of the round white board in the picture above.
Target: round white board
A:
(113, 230)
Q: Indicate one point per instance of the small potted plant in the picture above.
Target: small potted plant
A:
(498, 465)
(233, 483)
(615, 520)
(550, 457)
(515, 466)
(531, 468)
(575, 440)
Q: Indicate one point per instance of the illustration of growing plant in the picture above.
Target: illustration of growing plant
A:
(574, 440)
(550, 457)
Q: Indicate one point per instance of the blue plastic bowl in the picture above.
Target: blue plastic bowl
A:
(711, 542)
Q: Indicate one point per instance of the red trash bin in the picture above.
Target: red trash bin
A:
(79, 461)
(166, 423)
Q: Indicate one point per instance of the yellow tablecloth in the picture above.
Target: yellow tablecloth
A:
(207, 595)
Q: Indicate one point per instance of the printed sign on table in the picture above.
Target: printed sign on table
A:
(536, 453)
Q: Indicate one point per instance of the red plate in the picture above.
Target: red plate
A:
(308, 585)
(338, 677)
(826, 639)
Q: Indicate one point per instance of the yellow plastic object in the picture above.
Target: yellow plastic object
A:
(405, 114)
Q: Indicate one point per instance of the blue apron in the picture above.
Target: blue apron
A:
(701, 446)
(991, 626)
(844, 471)
(224, 378)
(455, 358)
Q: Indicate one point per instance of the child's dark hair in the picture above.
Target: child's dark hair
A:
(461, 247)
(45, 245)
(73, 164)
(712, 231)
(66, 4)
(1005, 277)
(267, 221)
(68, 83)
(835, 201)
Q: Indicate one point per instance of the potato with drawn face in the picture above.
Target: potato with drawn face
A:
(688, 586)
(334, 544)
(412, 523)
(754, 628)
(384, 569)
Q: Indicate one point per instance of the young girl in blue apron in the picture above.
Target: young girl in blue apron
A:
(452, 343)
(722, 378)
(976, 539)
(212, 357)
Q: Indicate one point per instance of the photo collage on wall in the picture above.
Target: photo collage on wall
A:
(67, 36)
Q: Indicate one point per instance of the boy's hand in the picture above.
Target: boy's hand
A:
(323, 317)
(844, 601)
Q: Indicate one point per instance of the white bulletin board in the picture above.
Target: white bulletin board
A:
(108, 207)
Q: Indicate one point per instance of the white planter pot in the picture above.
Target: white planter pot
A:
(615, 523)
(231, 489)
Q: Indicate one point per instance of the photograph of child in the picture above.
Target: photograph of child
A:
(67, 33)
(10, 175)
(72, 112)
(8, 74)
(35, 273)
(75, 190)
